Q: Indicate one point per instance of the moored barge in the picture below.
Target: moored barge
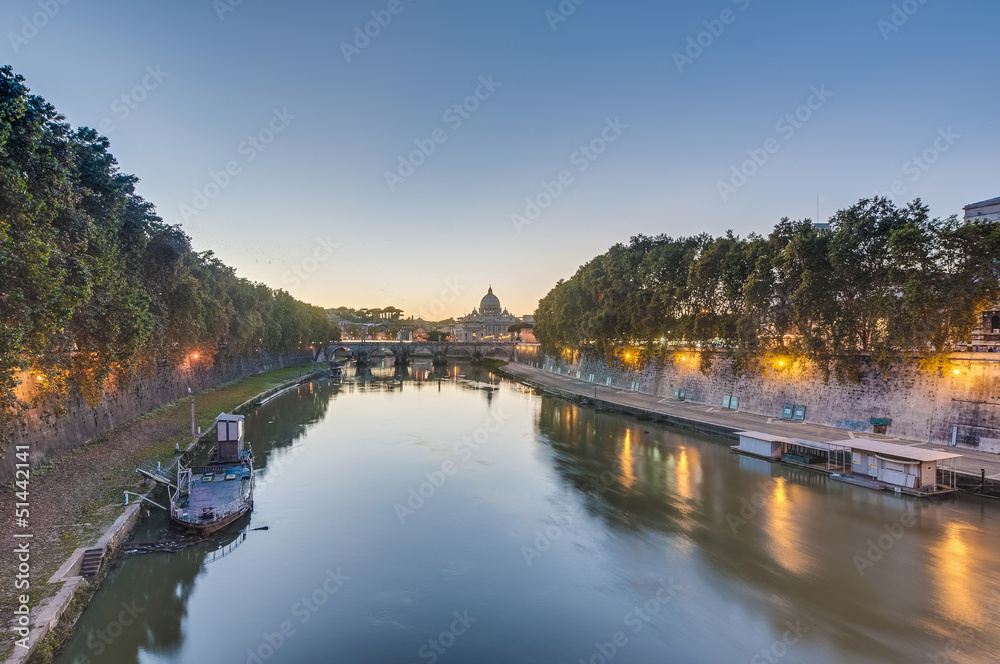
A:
(207, 498)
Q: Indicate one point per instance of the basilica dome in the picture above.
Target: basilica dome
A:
(490, 303)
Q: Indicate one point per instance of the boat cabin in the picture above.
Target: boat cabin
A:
(760, 444)
(230, 438)
(821, 456)
(918, 469)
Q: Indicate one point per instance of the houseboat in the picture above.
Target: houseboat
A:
(207, 498)
(876, 464)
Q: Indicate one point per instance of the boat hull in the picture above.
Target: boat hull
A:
(206, 528)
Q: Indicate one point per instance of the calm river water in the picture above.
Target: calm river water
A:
(419, 519)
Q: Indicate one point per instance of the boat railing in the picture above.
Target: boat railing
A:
(219, 554)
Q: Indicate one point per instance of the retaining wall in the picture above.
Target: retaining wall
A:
(49, 434)
(922, 405)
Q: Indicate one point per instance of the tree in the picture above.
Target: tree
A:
(93, 284)
(886, 284)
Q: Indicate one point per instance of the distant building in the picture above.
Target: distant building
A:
(983, 210)
(488, 323)
(986, 334)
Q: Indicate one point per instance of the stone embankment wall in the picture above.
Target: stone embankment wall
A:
(49, 434)
(923, 405)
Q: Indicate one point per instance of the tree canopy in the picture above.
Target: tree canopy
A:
(93, 284)
(883, 282)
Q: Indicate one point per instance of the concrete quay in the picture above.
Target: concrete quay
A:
(717, 421)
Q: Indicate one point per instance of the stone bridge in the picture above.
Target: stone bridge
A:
(440, 351)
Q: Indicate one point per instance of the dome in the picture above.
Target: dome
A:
(490, 303)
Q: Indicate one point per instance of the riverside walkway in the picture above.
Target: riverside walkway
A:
(721, 422)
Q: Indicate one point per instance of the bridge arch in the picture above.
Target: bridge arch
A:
(333, 351)
(381, 350)
(497, 350)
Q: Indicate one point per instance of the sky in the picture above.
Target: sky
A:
(412, 153)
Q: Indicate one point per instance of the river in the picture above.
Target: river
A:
(420, 518)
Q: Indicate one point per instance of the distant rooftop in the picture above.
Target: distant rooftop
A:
(992, 201)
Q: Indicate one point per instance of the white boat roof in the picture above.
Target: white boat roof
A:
(895, 449)
(766, 437)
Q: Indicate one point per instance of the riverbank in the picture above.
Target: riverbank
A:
(723, 423)
(77, 496)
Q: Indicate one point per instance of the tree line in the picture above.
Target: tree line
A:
(94, 285)
(366, 315)
(884, 283)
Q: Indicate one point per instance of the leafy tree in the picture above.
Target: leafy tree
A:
(93, 284)
(886, 284)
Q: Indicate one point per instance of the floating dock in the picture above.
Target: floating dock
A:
(874, 464)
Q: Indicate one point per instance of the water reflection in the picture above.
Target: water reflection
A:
(785, 542)
(787, 545)
(142, 607)
(954, 564)
(625, 459)
(273, 427)
(754, 544)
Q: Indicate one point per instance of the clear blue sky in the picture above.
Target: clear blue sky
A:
(324, 173)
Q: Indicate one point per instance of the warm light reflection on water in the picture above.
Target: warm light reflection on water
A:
(626, 460)
(788, 545)
(610, 508)
(953, 560)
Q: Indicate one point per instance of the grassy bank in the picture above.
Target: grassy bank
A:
(77, 495)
